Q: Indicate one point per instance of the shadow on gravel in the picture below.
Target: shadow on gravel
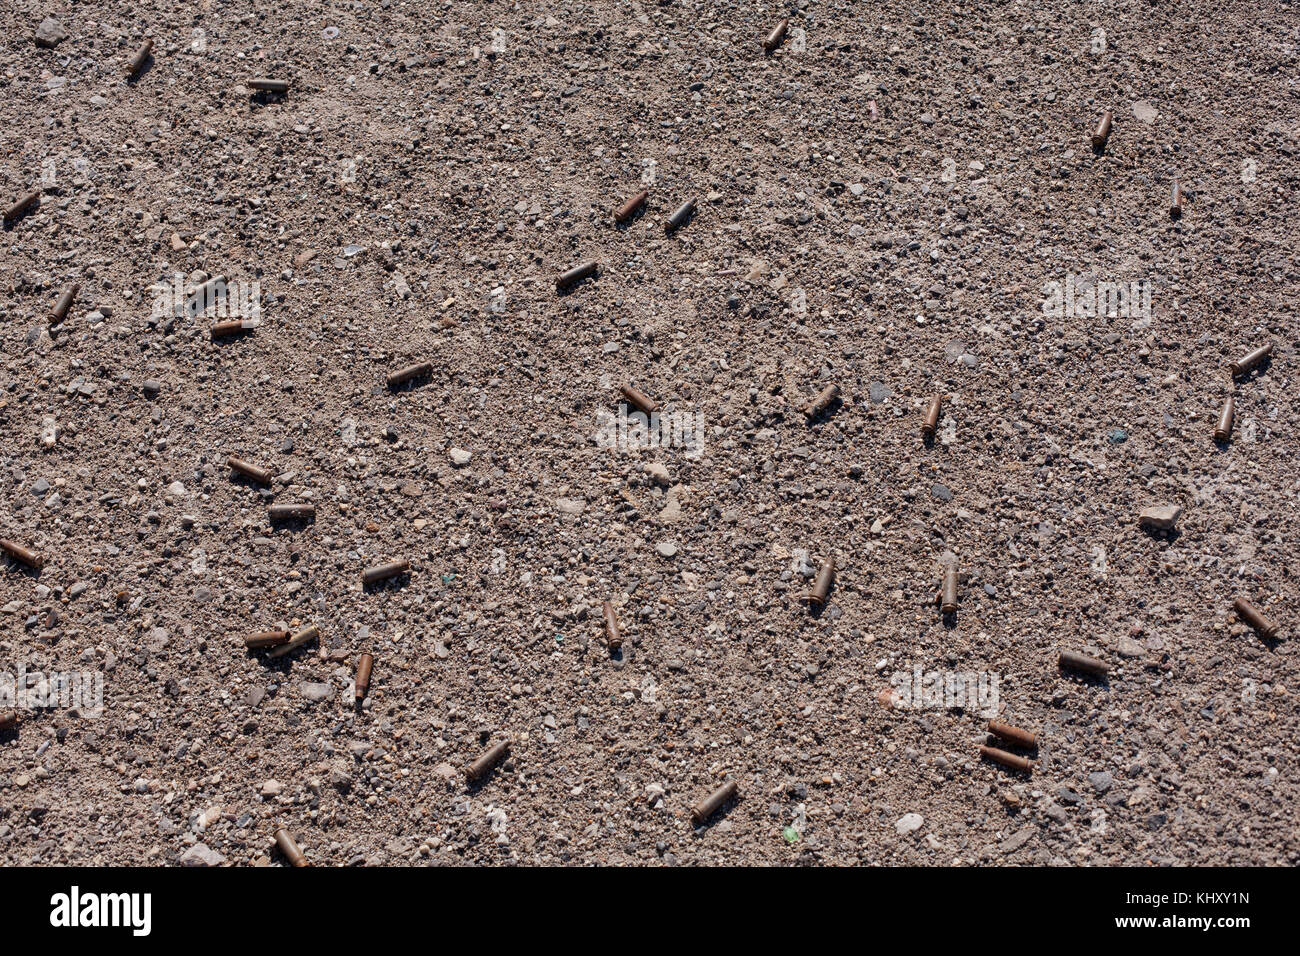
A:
(236, 478)
(395, 583)
(639, 214)
(1078, 677)
(294, 523)
(17, 567)
(142, 72)
(1256, 372)
(722, 813)
(829, 413)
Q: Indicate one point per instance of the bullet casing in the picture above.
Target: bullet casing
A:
(22, 205)
(629, 209)
(8, 720)
(576, 274)
(1010, 760)
(405, 375)
(226, 329)
(1176, 200)
(291, 512)
(383, 572)
(1102, 132)
(1256, 618)
(264, 639)
(822, 584)
(1014, 735)
(613, 639)
(266, 85)
(777, 35)
(60, 310)
(680, 216)
(949, 599)
(289, 848)
(301, 639)
(1223, 430)
(1249, 362)
(824, 400)
(364, 664)
(638, 399)
(21, 554)
(932, 416)
(1082, 662)
(249, 470)
(710, 805)
(141, 57)
(479, 768)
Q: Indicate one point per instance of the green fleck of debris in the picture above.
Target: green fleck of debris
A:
(791, 835)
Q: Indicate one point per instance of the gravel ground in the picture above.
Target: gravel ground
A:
(883, 204)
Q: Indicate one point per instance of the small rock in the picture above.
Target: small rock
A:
(1018, 839)
(1127, 647)
(666, 548)
(1160, 517)
(200, 854)
(315, 692)
(1144, 112)
(460, 457)
(50, 33)
(909, 823)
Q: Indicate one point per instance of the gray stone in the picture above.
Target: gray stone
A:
(1144, 112)
(315, 692)
(200, 854)
(1100, 781)
(658, 472)
(909, 823)
(1160, 517)
(50, 33)
(1127, 647)
(1018, 839)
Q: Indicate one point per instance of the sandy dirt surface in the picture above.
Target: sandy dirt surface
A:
(898, 200)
